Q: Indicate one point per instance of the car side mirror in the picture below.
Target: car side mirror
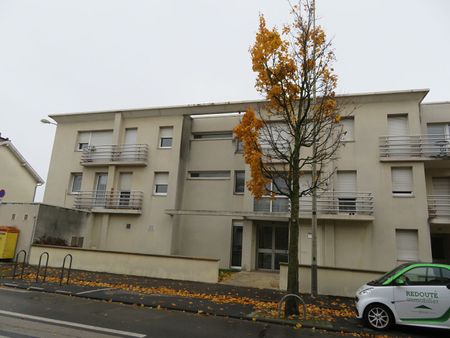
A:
(400, 281)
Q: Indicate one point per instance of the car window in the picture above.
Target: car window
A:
(434, 276)
(416, 276)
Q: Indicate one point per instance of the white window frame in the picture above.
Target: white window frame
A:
(225, 177)
(403, 193)
(72, 181)
(89, 132)
(165, 132)
(159, 181)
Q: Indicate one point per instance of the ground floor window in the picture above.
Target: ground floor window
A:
(272, 245)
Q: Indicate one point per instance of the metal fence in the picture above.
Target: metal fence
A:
(127, 200)
(435, 146)
(328, 202)
(439, 205)
(115, 154)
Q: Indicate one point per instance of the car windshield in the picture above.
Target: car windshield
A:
(388, 275)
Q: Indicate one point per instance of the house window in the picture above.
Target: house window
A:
(346, 191)
(398, 125)
(165, 137)
(239, 146)
(75, 183)
(217, 135)
(209, 175)
(161, 183)
(93, 138)
(348, 126)
(402, 181)
(76, 241)
(407, 245)
(239, 182)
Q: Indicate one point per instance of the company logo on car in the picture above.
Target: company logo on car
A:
(422, 297)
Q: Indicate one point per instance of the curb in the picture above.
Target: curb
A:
(287, 322)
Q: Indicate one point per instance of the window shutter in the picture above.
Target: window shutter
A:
(407, 245)
(398, 125)
(436, 129)
(125, 181)
(83, 136)
(101, 138)
(441, 186)
(161, 178)
(346, 183)
(402, 180)
(131, 136)
(165, 132)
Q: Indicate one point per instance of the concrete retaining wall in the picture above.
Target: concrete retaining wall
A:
(331, 280)
(158, 266)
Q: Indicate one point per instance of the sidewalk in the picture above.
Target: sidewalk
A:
(323, 312)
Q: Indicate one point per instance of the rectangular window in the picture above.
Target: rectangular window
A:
(346, 191)
(75, 182)
(402, 181)
(239, 146)
(165, 137)
(236, 245)
(407, 245)
(239, 182)
(124, 188)
(161, 183)
(217, 135)
(93, 138)
(348, 125)
(209, 175)
(397, 125)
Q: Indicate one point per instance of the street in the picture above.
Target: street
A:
(34, 314)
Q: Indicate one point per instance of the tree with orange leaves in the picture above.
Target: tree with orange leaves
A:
(298, 126)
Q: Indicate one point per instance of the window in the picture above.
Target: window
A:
(215, 135)
(348, 125)
(397, 125)
(75, 183)
(407, 245)
(427, 276)
(209, 175)
(124, 189)
(239, 146)
(236, 245)
(93, 138)
(161, 183)
(165, 137)
(402, 181)
(346, 191)
(76, 242)
(239, 182)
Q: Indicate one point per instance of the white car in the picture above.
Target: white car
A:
(412, 294)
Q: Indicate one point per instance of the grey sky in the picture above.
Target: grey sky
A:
(72, 56)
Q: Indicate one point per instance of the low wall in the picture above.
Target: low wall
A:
(331, 280)
(158, 266)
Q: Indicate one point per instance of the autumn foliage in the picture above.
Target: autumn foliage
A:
(298, 127)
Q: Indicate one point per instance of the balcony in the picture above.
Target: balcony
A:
(124, 154)
(439, 208)
(330, 205)
(113, 202)
(420, 147)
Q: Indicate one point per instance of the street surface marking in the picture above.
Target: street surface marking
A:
(72, 324)
(90, 291)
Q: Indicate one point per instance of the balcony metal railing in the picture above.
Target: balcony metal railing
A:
(123, 153)
(121, 200)
(328, 202)
(433, 146)
(439, 205)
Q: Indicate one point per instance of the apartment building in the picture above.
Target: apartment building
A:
(171, 180)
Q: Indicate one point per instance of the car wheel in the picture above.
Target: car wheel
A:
(378, 317)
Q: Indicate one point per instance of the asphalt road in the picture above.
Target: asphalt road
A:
(34, 314)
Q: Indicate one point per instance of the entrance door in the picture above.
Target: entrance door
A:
(236, 246)
(272, 246)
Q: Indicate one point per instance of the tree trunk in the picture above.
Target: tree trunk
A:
(294, 229)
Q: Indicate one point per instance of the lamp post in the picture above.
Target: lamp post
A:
(45, 121)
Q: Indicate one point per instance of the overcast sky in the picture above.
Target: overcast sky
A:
(74, 56)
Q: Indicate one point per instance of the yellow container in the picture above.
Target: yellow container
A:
(8, 241)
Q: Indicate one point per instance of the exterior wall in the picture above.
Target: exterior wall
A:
(15, 179)
(158, 266)
(331, 281)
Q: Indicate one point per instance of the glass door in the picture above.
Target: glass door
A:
(272, 246)
(100, 190)
(236, 246)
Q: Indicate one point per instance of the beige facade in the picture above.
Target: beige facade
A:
(17, 177)
(169, 181)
